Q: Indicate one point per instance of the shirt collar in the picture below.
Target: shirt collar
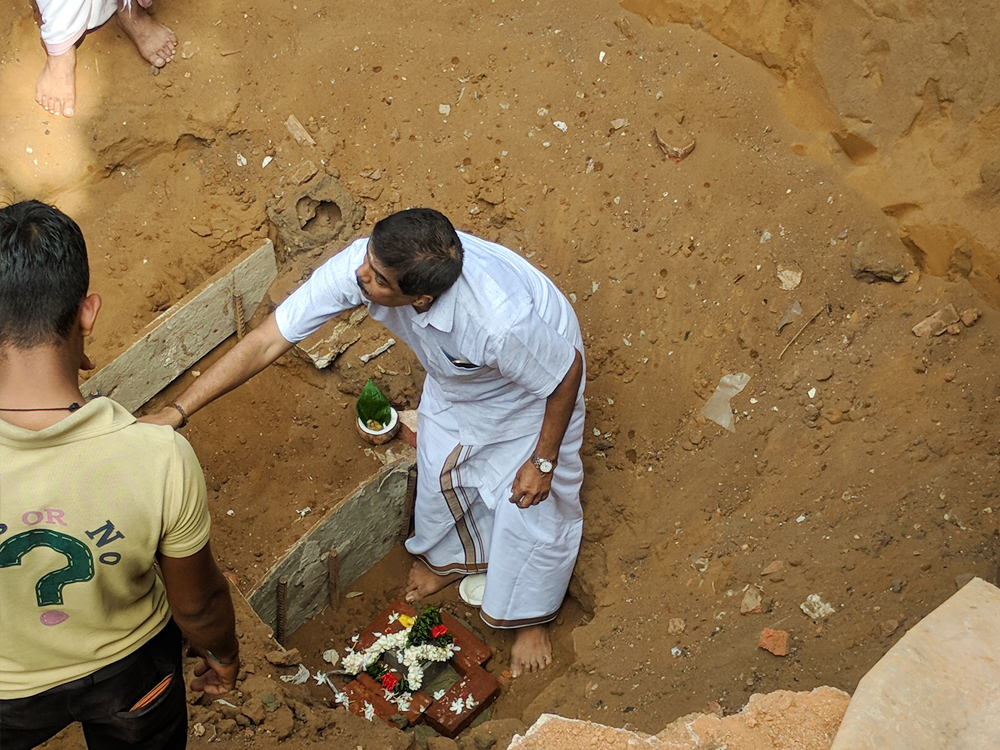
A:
(99, 416)
(441, 316)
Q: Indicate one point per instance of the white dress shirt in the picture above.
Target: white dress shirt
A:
(495, 345)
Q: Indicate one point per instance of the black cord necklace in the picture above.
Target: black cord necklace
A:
(72, 407)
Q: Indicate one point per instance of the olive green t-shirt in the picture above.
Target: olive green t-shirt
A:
(85, 505)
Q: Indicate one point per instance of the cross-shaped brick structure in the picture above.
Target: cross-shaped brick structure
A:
(453, 711)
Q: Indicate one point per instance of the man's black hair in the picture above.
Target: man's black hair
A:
(43, 274)
(422, 247)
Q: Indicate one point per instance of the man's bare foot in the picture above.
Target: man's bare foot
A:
(155, 42)
(56, 86)
(531, 651)
(424, 582)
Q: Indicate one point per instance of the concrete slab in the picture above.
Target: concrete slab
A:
(781, 720)
(363, 528)
(938, 687)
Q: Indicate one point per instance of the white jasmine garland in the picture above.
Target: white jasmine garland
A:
(356, 662)
(413, 658)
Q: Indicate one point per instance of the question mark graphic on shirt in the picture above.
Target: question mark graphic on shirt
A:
(48, 590)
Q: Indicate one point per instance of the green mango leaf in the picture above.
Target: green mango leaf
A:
(373, 405)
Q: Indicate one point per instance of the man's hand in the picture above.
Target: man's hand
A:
(202, 607)
(530, 486)
(213, 678)
(168, 415)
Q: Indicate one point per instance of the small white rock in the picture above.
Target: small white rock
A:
(560, 125)
(444, 109)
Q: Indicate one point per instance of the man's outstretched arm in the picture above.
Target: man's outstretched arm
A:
(530, 485)
(262, 346)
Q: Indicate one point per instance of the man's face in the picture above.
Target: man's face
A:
(378, 283)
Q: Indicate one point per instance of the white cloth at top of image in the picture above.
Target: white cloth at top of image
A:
(495, 345)
(65, 21)
(468, 522)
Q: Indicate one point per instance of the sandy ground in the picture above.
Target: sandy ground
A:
(865, 459)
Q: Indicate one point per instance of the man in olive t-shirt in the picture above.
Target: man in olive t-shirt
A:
(90, 501)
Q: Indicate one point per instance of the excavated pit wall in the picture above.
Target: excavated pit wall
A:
(903, 98)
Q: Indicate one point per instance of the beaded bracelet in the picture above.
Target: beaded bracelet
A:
(184, 416)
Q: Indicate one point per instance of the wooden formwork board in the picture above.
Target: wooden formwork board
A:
(185, 333)
(362, 529)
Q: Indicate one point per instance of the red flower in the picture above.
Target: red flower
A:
(389, 681)
(438, 630)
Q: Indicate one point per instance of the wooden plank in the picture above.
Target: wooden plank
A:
(185, 333)
(362, 528)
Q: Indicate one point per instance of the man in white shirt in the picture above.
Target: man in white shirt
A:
(500, 418)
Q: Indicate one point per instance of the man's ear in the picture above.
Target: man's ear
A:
(89, 309)
(423, 303)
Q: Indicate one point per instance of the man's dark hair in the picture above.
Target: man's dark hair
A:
(422, 247)
(43, 274)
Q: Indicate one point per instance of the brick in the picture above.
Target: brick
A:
(474, 652)
(358, 693)
(775, 641)
(419, 701)
(476, 682)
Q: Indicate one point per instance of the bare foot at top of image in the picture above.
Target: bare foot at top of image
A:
(532, 650)
(424, 582)
(155, 42)
(56, 86)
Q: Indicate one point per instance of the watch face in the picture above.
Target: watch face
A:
(545, 466)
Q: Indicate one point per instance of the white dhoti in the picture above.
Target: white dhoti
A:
(65, 21)
(464, 520)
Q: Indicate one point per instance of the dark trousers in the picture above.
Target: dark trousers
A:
(102, 702)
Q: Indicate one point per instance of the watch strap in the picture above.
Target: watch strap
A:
(537, 460)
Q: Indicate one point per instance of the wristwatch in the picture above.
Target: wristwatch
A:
(544, 465)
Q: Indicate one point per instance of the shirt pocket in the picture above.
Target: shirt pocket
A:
(459, 363)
